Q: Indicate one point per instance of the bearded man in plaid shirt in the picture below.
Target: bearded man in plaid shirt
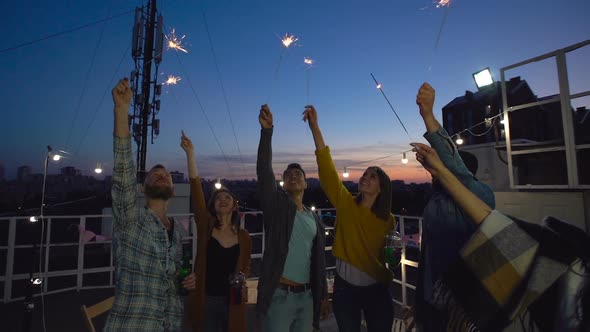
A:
(147, 244)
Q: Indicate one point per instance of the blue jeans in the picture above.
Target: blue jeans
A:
(374, 301)
(216, 307)
(289, 312)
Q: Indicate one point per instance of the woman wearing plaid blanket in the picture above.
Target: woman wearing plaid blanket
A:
(508, 266)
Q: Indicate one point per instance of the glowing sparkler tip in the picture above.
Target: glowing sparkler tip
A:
(443, 3)
(174, 42)
(308, 61)
(172, 80)
(288, 40)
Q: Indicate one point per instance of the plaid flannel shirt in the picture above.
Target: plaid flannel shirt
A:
(501, 272)
(145, 259)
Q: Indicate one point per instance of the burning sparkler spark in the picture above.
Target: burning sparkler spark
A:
(288, 40)
(308, 61)
(172, 80)
(175, 43)
(443, 3)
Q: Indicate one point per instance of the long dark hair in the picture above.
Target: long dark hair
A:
(382, 205)
(235, 215)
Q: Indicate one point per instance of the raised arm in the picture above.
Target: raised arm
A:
(198, 196)
(329, 179)
(471, 205)
(187, 145)
(267, 186)
(438, 137)
(124, 189)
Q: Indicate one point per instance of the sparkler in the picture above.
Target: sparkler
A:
(288, 40)
(447, 5)
(175, 43)
(309, 62)
(391, 106)
(443, 3)
(172, 80)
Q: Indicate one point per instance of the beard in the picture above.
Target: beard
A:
(158, 192)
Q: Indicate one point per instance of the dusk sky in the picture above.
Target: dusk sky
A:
(46, 98)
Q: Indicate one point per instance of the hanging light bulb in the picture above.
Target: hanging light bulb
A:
(313, 208)
(36, 281)
(459, 140)
(218, 184)
(404, 158)
(503, 120)
(33, 219)
(56, 157)
(281, 183)
(98, 169)
(345, 173)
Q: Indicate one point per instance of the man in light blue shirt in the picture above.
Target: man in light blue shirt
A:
(292, 286)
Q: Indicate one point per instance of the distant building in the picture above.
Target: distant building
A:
(177, 177)
(70, 171)
(537, 123)
(536, 135)
(23, 173)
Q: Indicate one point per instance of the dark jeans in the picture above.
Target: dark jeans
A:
(374, 301)
(217, 315)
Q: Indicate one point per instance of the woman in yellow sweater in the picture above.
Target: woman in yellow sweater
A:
(362, 279)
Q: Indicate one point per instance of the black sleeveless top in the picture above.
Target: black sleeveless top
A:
(221, 263)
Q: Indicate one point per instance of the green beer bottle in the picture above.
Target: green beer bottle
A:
(184, 271)
(393, 249)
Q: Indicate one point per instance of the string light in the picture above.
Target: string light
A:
(98, 169)
(345, 173)
(218, 184)
(282, 183)
(36, 281)
(33, 219)
(503, 121)
(404, 158)
(488, 121)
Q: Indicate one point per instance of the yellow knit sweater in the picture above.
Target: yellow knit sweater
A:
(360, 235)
